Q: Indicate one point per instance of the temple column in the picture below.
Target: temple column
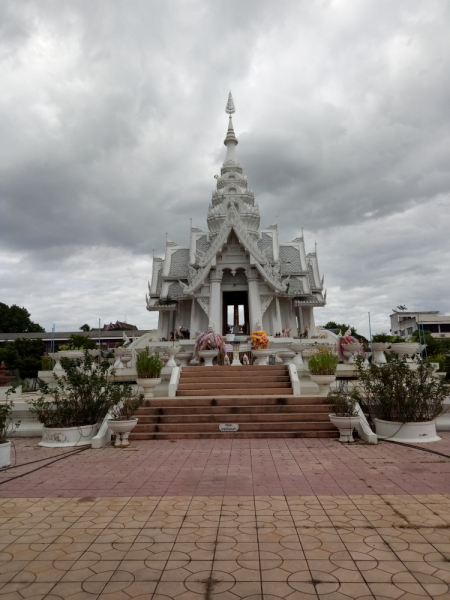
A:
(301, 325)
(277, 326)
(254, 301)
(194, 324)
(215, 299)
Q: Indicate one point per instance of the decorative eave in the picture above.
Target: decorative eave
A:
(233, 221)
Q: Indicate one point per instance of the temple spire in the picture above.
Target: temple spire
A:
(231, 139)
(230, 109)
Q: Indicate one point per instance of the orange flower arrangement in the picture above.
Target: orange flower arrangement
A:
(260, 341)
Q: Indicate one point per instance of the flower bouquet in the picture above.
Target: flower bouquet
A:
(348, 346)
(208, 340)
(260, 341)
(260, 347)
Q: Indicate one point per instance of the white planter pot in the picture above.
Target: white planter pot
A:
(351, 350)
(172, 351)
(122, 430)
(286, 356)
(324, 382)
(298, 349)
(184, 358)
(408, 349)
(5, 455)
(208, 355)
(56, 356)
(71, 353)
(149, 384)
(345, 426)
(378, 350)
(412, 433)
(261, 356)
(61, 437)
(230, 337)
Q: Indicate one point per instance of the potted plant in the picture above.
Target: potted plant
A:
(260, 347)
(7, 428)
(322, 367)
(380, 343)
(148, 368)
(208, 345)
(72, 408)
(122, 420)
(403, 402)
(345, 414)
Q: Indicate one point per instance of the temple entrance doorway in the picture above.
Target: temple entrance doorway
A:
(235, 312)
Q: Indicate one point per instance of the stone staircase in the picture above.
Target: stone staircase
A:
(258, 399)
(234, 381)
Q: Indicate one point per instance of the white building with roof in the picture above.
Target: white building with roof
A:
(235, 271)
(405, 323)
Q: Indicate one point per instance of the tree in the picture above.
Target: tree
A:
(23, 357)
(78, 340)
(85, 328)
(14, 319)
(342, 328)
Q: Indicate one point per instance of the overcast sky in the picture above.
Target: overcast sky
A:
(112, 124)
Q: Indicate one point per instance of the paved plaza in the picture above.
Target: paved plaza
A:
(227, 520)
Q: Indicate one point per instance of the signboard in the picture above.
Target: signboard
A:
(229, 427)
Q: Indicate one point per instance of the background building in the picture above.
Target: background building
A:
(405, 322)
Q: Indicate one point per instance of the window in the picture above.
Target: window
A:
(402, 332)
(445, 327)
(409, 331)
(431, 327)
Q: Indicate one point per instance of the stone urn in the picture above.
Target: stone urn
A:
(184, 358)
(261, 356)
(351, 350)
(149, 384)
(345, 425)
(118, 354)
(56, 356)
(208, 356)
(122, 430)
(378, 350)
(405, 349)
(324, 382)
(286, 356)
(298, 349)
(172, 351)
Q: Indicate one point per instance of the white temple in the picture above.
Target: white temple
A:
(235, 273)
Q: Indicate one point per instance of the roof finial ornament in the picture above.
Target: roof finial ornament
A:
(230, 109)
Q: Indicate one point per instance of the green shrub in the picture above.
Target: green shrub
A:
(395, 392)
(148, 365)
(126, 409)
(82, 396)
(323, 362)
(7, 425)
(343, 404)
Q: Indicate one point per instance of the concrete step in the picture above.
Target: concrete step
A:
(228, 369)
(234, 391)
(234, 418)
(226, 385)
(231, 410)
(244, 400)
(243, 427)
(235, 436)
(238, 380)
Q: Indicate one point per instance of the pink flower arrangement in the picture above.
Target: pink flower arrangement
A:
(348, 339)
(207, 340)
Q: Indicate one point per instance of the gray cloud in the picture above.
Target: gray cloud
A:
(112, 124)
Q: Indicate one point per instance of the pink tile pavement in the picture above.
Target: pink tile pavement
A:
(230, 467)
